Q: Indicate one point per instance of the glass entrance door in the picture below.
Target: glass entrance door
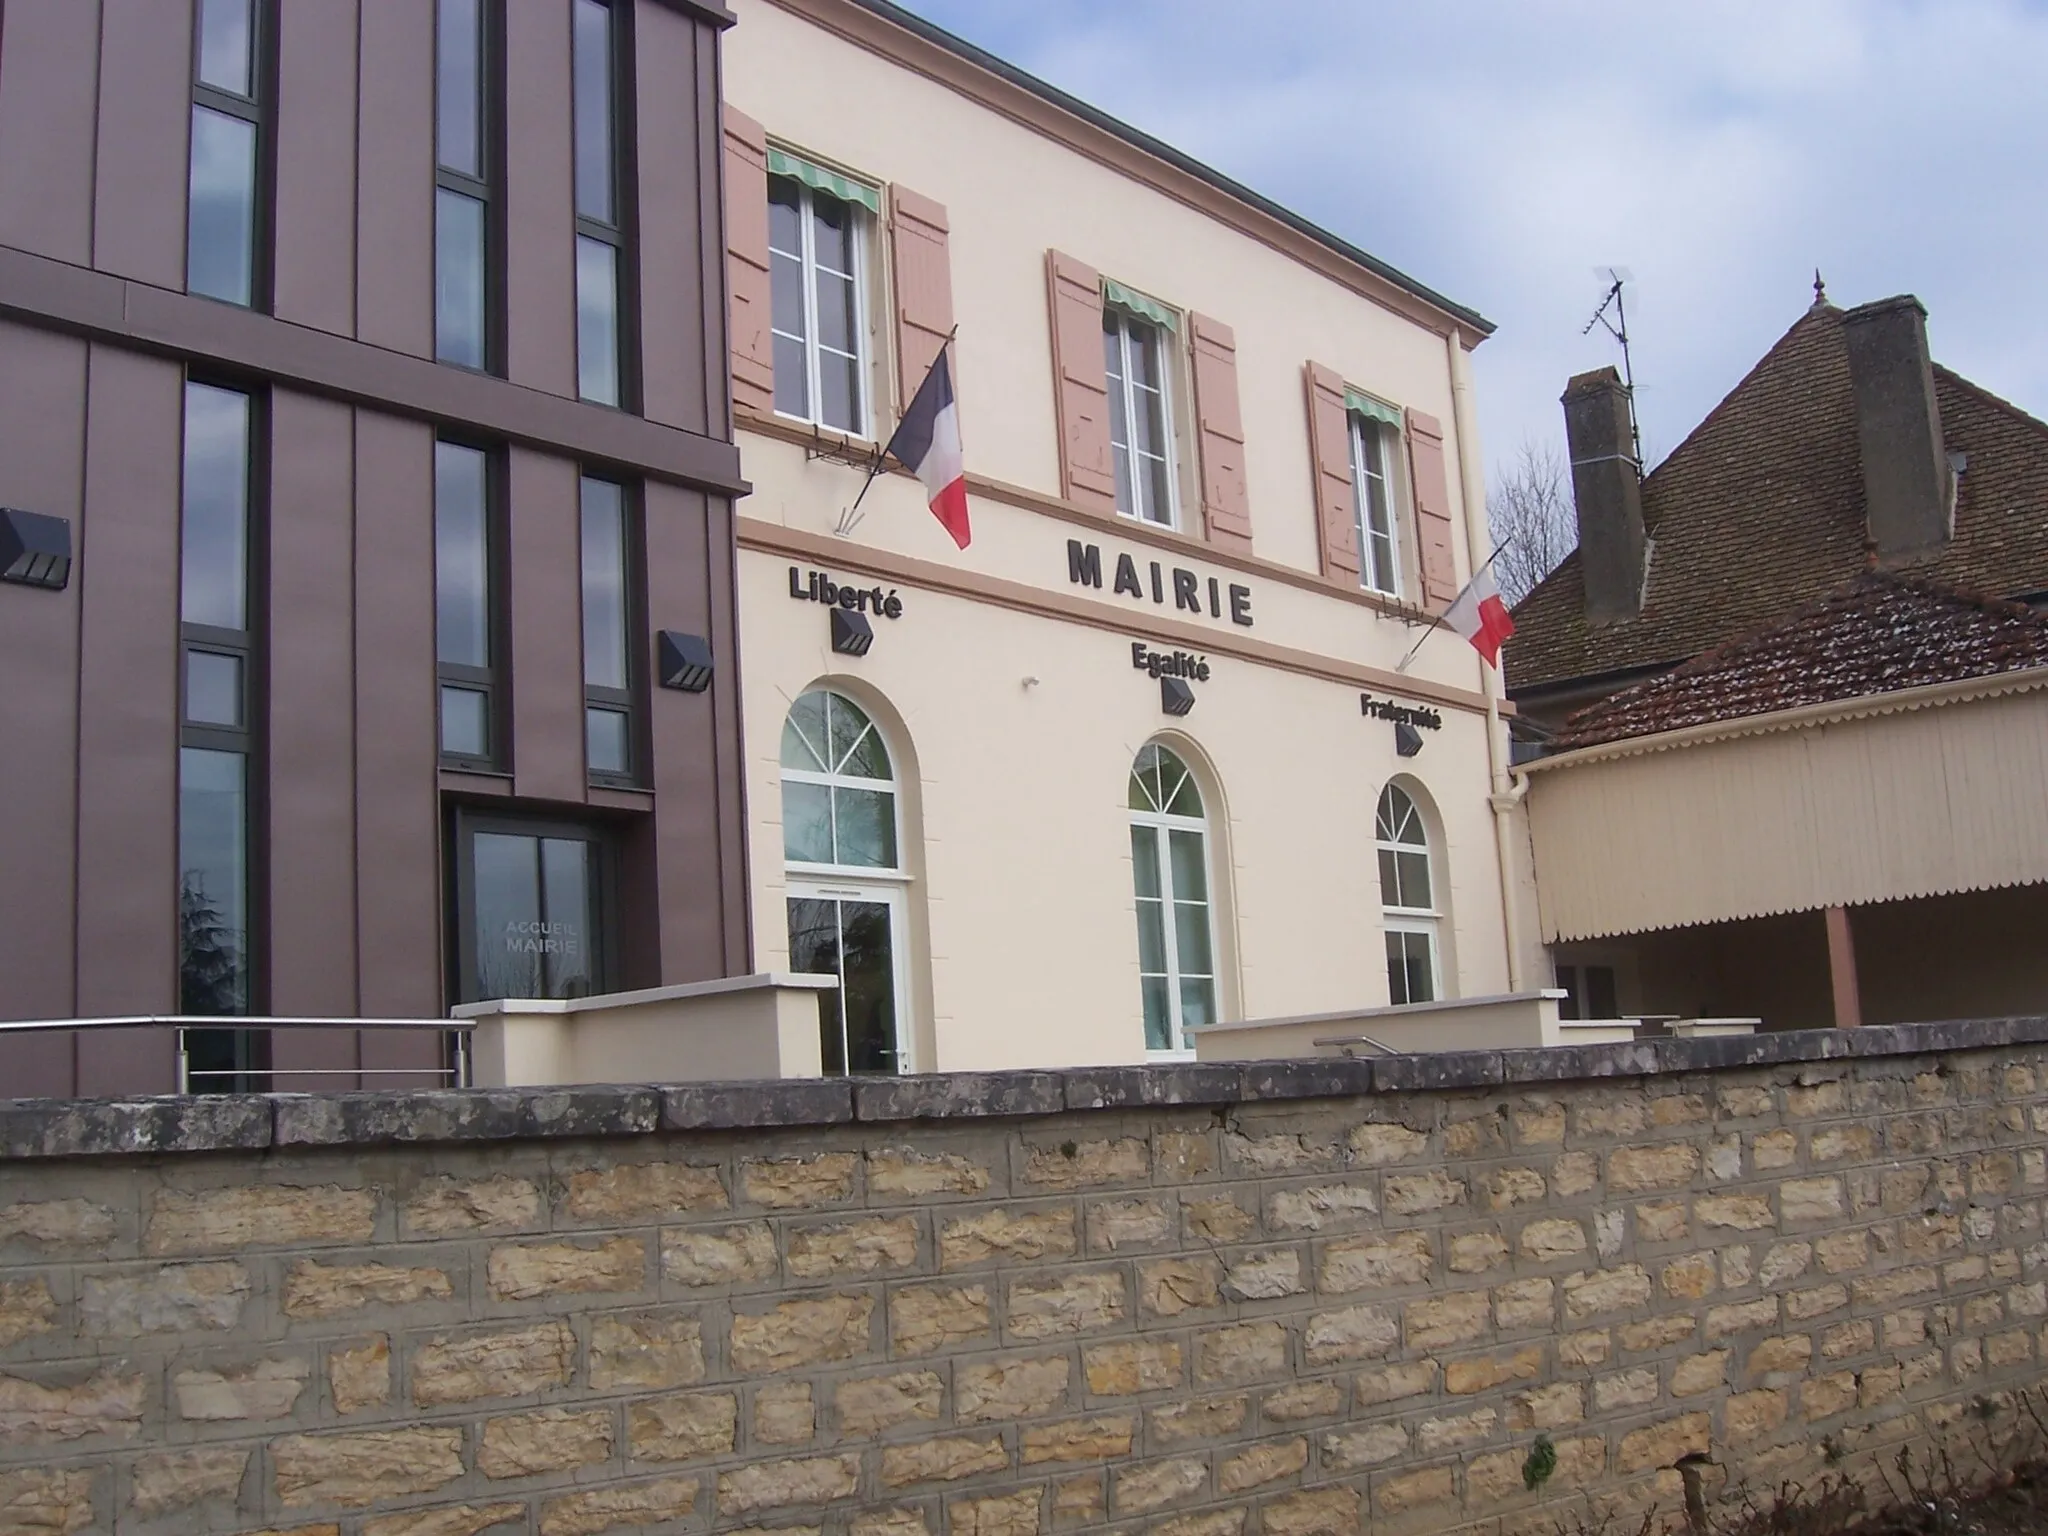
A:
(529, 911)
(856, 937)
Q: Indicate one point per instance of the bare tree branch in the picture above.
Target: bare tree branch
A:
(1530, 515)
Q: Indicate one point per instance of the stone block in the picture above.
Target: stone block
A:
(1837, 1143)
(1078, 1501)
(1281, 1151)
(924, 1318)
(1750, 1416)
(1087, 1164)
(1376, 1145)
(1624, 1389)
(1825, 1396)
(1412, 1491)
(1474, 1253)
(906, 1173)
(943, 1459)
(619, 1506)
(170, 1480)
(1241, 1352)
(1743, 1213)
(1218, 1219)
(1354, 1333)
(1704, 1372)
(1663, 1443)
(1007, 1236)
(510, 1362)
(1688, 1278)
(1076, 1440)
(360, 1377)
(1524, 1303)
(27, 1308)
(795, 1334)
(257, 1216)
(1378, 1262)
(1265, 1274)
(1810, 1199)
(645, 1351)
(1448, 1431)
(46, 1501)
(58, 1226)
(1415, 1194)
(1783, 1262)
(1169, 1287)
(1669, 1166)
(1485, 1372)
(900, 1521)
(1441, 1322)
(1321, 1208)
(1259, 1465)
(1546, 1241)
(875, 1245)
(1009, 1514)
(523, 1271)
(1348, 1450)
(1588, 1348)
(1662, 1221)
(552, 1440)
(1209, 1418)
(1574, 1173)
(1889, 1289)
(779, 1484)
(1303, 1400)
(705, 1256)
(1115, 1225)
(1063, 1304)
(268, 1389)
(448, 1520)
(1537, 1123)
(107, 1403)
(1742, 1317)
(686, 1426)
(1787, 1352)
(868, 1405)
(639, 1192)
(999, 1391)
(316, 1290)
(444, 1206)
(1658, 1332)
(1125, 1369)
(799, 1183)
(353, 1470)
(1551, 1407)
(784, 1414)
(1510, 1187)
(1392, 1383)
(1312, 1512)
(178, 1298)
(1590, 1294)
(1158, 1484)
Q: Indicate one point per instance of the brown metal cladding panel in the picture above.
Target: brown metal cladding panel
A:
(145, 121)
(700, 873)
(42, 465)
(712, 275)
(127, 574)
(540, 208)
(547, 628)
(397, 754)
(38, 1066)
(394, 225)
(672, 207)
(49, 59)
(316, 164)
(403, 1058)
(312, 852)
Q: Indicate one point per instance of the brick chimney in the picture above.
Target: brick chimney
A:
(1607, 491)
(1908, 489)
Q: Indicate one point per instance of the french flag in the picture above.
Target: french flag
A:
(1480, 616)
(927, 443)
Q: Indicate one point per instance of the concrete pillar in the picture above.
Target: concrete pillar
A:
(1842, 969)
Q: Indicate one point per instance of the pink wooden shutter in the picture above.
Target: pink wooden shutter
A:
(1432, 509)
(1080, 383)
(1329, 444)
(924, 287)
(746, 264)
(1226, 505)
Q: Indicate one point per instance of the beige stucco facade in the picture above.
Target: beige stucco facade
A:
(1006, 689)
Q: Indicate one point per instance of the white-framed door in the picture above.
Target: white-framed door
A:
(860, 933)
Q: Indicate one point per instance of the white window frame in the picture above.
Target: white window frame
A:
(1366, 437)
(1427, 921)
(1168, 437)
(863, 359)
(893, 896)
(892, 787)
(1163, 822)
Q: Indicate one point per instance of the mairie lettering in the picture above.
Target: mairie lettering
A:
(1185, 590)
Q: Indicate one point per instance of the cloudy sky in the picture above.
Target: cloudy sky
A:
(1501, 151)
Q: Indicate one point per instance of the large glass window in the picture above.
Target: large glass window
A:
(846, 900)
(1373, 507)
(607, 626)
(466, 168)
(224, 210)
(1135, 354)
(465, 626)
(817, 286)
(531, 901)
(1407, 894)
(1170, 868)
(600, 222)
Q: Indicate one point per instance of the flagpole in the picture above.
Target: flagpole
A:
(1436, 620)
(875, 468)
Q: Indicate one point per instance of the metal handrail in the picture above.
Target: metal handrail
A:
(458, 1072)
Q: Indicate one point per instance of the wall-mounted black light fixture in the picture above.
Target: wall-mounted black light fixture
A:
(852, 634)
(683, 661)
(1175, 696)
(1407, 739)
(35, 549)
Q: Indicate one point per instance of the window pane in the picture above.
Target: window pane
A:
(462, 564)
(1144, 355)
(1124, 482)
(867, 827)
(1397, 970)
(1191, 938)
(225, 51)
(814, 951)
(839, 392)
(458, 133)
(1151, 938)
(1112, 346)
(1157, 503)
(604, 585)
(220, 245)
(1197, 1004)
(593, 44)
(836, 322)
(832, 233)
(1414, 872)
(213, 882)
(1190, 869)
(465, 722)
(792, 381)
(607, 741)
(567, 941)
(852, 739)
(597, 320)
(1145, 861)
(868, 993)
(1421, 968)
(1158, 1014)
(803, 734)
(458, 279)
(786, 287)
(506, 873)
(785, 216)
(1390, 880)
(213, 688)
(215, 535)
(1601, 1001)
(1569, 1006)
(806, 823)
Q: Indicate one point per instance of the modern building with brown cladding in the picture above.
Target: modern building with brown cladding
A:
(368, 638)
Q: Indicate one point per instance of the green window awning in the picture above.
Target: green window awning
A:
(1373, 410)
(782, 163)
(1130, 299)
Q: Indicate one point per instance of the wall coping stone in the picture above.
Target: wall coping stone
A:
(81, 1128)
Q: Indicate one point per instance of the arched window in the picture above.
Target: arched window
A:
(1170, 865)
(845, 890)
(1407, 892)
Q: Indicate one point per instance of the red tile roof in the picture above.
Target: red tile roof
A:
(1880, 633)
(1761, 510)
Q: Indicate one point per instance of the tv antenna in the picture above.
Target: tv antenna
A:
(1617, 327)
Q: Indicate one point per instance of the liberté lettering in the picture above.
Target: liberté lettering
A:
(1084, 569)
(821, 588)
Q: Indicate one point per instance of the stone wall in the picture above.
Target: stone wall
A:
(1267, 1300)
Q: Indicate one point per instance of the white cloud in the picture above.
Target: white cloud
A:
(1500, 150)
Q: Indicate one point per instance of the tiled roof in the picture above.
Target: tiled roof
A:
(1880, 633)
(1761, 511)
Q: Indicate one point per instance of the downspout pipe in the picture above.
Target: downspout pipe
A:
(1501, 796)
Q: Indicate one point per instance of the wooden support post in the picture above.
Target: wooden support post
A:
(1842, 969)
